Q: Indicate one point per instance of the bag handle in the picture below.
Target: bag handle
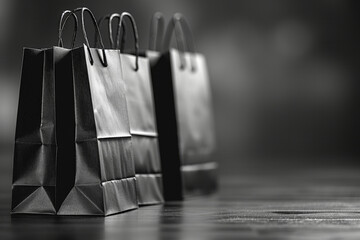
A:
(189, 38)
(62, 23)
(187, 32)
(175, 27)
(136, 36)
(83, 10)
(186, 38)
(110, 35)
(122, 44)
(157, 27)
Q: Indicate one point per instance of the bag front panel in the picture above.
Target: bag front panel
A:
(108, 95)
(193, 108)
(139, 96)
(146, 155)
(102, 143)
(143, 130)
(111, 116)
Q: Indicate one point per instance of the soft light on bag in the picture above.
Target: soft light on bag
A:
(92, 172)
(184, 116)
(140, 104)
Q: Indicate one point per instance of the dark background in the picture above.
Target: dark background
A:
(284, 74)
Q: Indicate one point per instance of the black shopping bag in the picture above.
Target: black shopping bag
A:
(140, 103)
(34, 169)
(184, 116)
(92, 172)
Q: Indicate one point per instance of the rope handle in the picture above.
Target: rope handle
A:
(62, 23)
(187, 38)
(83, 10)
(110, 35)
(157, 27)
(135, 31)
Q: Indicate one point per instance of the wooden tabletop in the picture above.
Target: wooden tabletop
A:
(292, 204)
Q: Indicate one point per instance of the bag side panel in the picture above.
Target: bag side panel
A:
(162, 85)
(65, 124)
(195, 122)
(35, 150)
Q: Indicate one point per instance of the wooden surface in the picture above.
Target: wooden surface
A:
(295, 204)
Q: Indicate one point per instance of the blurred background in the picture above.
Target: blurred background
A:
(284, 74)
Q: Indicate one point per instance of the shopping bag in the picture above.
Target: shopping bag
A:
(140, 102)
(184, 116)
(34, 168)
(94, 170)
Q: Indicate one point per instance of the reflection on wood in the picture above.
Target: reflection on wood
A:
(292, 205)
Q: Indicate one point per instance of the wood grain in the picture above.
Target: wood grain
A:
(295, 204)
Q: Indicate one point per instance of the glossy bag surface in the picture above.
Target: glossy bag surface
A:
(185, 123)
(143, 129)
(34, 168)
(74, 156)
(195, 123)
(140, 104)
(103, 171)
(73, 153)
